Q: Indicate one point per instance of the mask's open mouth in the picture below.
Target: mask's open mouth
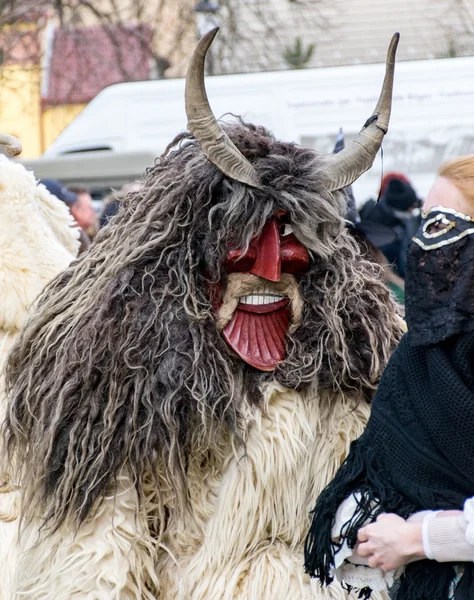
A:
(255, 317)
(262, 303)
(258, 329)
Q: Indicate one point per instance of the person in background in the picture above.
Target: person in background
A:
(399, 209)
(110, 207)
(371, 236)
(83, 210)
(370, 250)
(111, 202)
(70, 198)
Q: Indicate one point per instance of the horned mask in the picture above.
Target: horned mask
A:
(261, 303)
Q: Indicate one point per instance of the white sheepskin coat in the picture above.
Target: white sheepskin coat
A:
(243, 537)
(38, 240)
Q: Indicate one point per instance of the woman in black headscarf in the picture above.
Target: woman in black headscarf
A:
(417, 452)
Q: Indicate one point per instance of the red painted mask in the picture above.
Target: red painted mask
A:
(260, 323)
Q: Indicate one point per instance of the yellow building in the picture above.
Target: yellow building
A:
(50, 72)
(20, 84)
(20, 106)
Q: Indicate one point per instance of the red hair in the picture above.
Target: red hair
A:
(388, 178)
(460, 171)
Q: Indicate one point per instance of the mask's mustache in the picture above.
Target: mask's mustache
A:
(242, 284)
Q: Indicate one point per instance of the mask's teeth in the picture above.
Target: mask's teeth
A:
(264, 297)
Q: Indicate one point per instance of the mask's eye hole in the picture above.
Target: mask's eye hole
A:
(285, 229)
(437, 226)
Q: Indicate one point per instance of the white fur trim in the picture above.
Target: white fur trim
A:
(38, 240)
(361, 576)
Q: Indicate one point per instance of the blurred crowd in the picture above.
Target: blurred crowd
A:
(79, 201)
(385, 227)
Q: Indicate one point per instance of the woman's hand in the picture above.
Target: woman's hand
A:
(390, 542)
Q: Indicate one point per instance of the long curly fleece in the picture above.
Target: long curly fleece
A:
(38, 240)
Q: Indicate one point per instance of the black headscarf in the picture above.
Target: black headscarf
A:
(440, 288)
(417, 451)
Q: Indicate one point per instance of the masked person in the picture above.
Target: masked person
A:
(187, 388)
(417, 453)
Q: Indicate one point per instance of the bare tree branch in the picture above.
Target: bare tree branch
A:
(457, 23)
(254, 33)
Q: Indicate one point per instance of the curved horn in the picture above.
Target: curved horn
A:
(214, 142)
(11, 143)
(349, 164)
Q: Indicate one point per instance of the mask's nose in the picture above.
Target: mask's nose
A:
(268, 263)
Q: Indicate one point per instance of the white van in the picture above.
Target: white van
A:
(432, 116)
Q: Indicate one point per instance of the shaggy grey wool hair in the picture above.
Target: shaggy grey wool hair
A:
(121, 363)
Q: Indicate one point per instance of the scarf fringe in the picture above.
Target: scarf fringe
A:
(360, 474)
(425, 580)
